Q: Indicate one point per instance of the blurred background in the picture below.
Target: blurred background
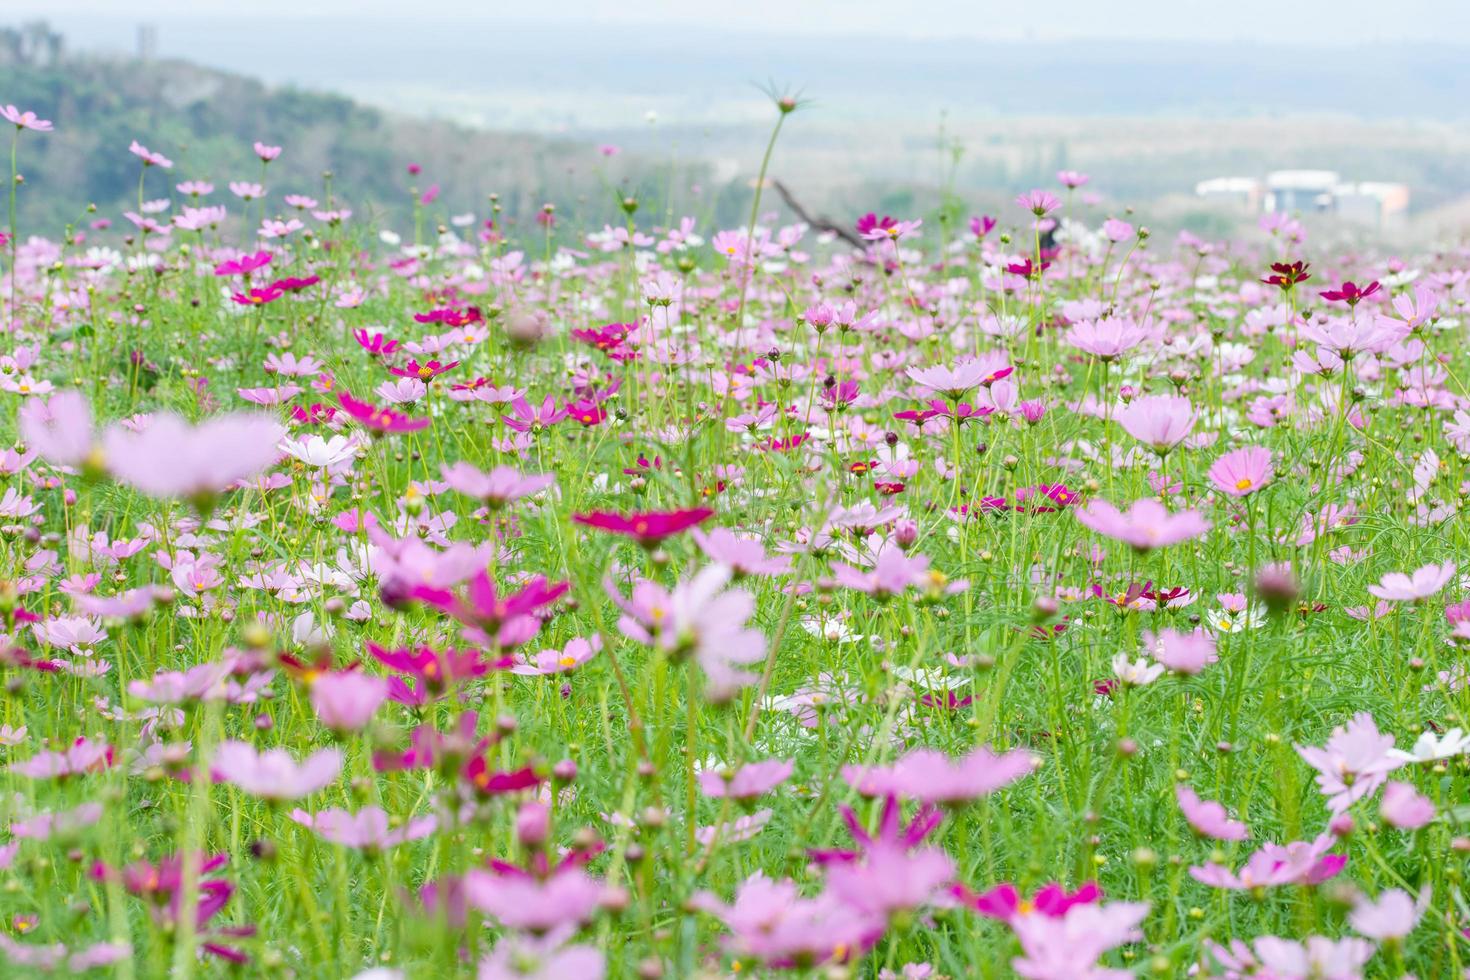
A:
(1353, 115)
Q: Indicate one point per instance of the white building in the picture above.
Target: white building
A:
(1240, 192)
(1371, 203)
(1300, 191)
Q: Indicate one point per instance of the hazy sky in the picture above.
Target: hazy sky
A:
(1326, 21)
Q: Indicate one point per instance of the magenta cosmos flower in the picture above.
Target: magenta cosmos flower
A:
(1297, 863)
(273, 774)
(1158, 421)
(379, 420)
(492, 616)
(1425, 582)
(647, 527)
(1242, 472)
(1146, 525)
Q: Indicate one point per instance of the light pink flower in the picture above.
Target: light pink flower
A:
(367, 829)
(1158, 421)
(170, 458)
(1146, 525)
(1208, 818)
(273, 774)
(1405, 807)
(1425, 582)
(1242, 472)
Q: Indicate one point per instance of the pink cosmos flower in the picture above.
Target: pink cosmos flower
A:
(1405, 807)
(1039, 202)
(65, 823)
(170, 458)
(1425, 582)
(699, 617)
(346, 701)
(893, 572)
(1393, 915)
(745, 556)
(367, 829)
(59, 429)
(266, 153)
(1348, 337)
(524, 418)
(1242, 472)
(1353, 763)
(1067, 947)
(1183, 653)
(521, 901)
(894, 232)
(1158, 421)
(1106, 339)
(747, 782)
(273, 774)
(1286, 959)
(931, 777)
(771, 922)
(576, 652)
(1117, 230)
(1207, 818)
(1298, 863)
(24, 120)
(515, 957)
(149, 158)
(965, 376)
(890, 879)
(83, 755)
(500, 486)
(1147, 524)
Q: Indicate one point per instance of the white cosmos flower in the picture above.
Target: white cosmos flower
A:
(1225, 621)
(1429, 748)
(316, 451)
(1136, 673)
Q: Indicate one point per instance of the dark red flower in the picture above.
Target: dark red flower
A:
(1027, 269)
(1349, 293)
(1287, 274)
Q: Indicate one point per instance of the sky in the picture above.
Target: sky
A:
(1334, 22)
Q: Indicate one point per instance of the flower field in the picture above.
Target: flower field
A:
(1025, 595)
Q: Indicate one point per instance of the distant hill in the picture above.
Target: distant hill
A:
(207, 121)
